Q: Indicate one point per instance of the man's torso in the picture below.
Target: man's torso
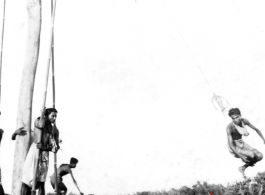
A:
(63, 170)
(46, 132)
(234, 133)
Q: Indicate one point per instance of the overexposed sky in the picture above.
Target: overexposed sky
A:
(132, 104)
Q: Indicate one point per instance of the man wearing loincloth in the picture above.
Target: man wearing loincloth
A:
(237, 147)
(44, 126)
(63, 170)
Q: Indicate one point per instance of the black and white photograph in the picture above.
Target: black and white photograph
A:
(132, 97)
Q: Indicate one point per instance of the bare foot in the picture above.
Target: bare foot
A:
(242, 171)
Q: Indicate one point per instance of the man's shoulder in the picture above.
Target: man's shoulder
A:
(229, 126)
(65, 165)
(56, 127)
(37, 120)
(245, 121)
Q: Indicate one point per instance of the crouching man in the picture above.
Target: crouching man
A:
(63, 170)
(239, 148)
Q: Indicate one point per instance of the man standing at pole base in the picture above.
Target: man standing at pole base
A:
(45, 126)
(237, 147)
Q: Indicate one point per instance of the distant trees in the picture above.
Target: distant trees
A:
(254, 186)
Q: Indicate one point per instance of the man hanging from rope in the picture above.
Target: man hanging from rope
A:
(237, 147)
(63, 170)
(45, 126)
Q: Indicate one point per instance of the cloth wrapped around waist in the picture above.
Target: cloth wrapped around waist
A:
(240, 146)
(239, 143)
(31, 161)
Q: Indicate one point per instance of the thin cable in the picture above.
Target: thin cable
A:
(198, 66)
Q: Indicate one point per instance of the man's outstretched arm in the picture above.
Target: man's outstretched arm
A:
(19, 131)
(75, 183)
(254, 128)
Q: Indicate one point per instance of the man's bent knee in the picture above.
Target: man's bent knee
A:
(63, 192)
(251, 155)
(259, 156)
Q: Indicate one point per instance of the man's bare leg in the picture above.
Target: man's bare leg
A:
(41, 188)
(62, 188)
(25, 189)
(242, 170)
(250, 155)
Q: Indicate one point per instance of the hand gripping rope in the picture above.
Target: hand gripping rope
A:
(221, 102)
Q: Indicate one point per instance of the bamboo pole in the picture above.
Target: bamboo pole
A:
(1, 54)
(53, 90)
(53, 75)
(33, 191)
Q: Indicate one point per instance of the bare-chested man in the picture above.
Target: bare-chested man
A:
(45, 127)
(63, 170)
(237, 146)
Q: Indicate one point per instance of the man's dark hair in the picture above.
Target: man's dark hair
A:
(1, 134)
(73, 161)
(233, 111)
(48, 111)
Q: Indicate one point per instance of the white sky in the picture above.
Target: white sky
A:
(133, 106)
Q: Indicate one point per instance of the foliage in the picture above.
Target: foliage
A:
(254, 186)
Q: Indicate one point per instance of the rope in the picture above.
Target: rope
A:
(33, 191)
(217, 99)
(198, 66)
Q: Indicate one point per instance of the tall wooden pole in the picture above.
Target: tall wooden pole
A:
(33, 190)
(1, 53)
(26, 91)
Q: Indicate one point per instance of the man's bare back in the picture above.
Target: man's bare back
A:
(63, 170)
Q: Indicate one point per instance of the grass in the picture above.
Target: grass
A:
(251, 186)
